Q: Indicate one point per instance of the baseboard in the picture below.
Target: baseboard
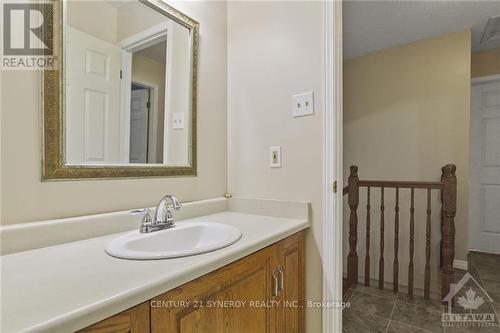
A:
(485, 252)
(461, 264)
(434, 294)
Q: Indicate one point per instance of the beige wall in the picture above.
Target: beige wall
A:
(485, 62)
(146, 70)
(406, 114)
(275, 50)
(178, 97)
(96, 18)
(25, 198)
(134, 17)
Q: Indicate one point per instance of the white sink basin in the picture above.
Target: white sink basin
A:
(185, 239)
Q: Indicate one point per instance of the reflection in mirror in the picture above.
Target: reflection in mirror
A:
(127, 85)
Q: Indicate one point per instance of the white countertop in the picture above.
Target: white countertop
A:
(70, 286)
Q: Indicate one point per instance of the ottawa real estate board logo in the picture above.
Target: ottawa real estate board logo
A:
(27, 36)
(469, 306)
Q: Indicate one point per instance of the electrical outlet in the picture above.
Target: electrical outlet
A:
(178, 120)
(275, 157)
(303, 104)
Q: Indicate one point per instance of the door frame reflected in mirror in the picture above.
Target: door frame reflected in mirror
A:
(54, 166)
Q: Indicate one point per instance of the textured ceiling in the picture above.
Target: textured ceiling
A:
(375, 25)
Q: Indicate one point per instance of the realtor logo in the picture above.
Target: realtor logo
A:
(473, 305)
(25, 45)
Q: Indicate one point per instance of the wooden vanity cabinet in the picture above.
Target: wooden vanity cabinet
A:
(206, 300)
(262, 292)
(133, 320)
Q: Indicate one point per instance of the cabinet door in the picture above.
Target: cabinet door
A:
(290, 313)
(204, 305)
(135, 320)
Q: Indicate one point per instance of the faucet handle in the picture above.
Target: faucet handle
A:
(146, 219)
(140, 211)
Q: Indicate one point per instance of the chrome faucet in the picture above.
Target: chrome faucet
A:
(164, 217)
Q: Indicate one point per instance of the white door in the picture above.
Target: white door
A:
(92, 99)
(139, 126)
(484, 217)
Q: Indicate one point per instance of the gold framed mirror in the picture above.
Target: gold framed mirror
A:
(122, 99)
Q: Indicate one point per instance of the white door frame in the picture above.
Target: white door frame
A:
(134, 43)
(474, 172)
(332, 247)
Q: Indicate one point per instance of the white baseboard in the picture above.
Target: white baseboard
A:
(458, 264)
(461, 264)
(481, 251)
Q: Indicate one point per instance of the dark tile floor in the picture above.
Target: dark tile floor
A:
(374, 310)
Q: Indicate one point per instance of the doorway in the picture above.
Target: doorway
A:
(484, 229)
(140, 129)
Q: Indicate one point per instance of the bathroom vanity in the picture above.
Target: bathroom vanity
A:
(262, 292)
(72, 284)
(121, 102)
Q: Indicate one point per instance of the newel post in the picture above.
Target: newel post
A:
(353, 201)
(449, 198)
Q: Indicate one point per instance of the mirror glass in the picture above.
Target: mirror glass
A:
(127, 85)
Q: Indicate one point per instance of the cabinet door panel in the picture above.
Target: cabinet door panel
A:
(290, 315)
(247, 280)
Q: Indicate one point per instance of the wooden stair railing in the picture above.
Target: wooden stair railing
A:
(448, 189)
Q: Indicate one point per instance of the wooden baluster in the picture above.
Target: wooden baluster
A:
(381, 260)
(367, 257)
(448, 227)
(353, 201)
(395, 266)
(412, 243)
(427, 282)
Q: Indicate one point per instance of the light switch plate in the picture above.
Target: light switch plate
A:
(275, 157)
(178, 120)
(303, 104)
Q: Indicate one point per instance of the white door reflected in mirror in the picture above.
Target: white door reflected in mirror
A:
(128, 77)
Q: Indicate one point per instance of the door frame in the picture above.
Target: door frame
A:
(473, 171)
(332, 247)
(134, 43)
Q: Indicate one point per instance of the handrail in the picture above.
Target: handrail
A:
(400, 184)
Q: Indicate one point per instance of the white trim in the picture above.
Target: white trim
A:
(168, 95)
(332, 247)
(482, 251)
(126, 82)
(145, 38)
(485, 79)
(461, 264)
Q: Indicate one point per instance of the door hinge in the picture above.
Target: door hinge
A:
(121, 74)
(334, 187)
(148, 105)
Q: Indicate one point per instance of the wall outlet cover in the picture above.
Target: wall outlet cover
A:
(303, 104)
(275, 157)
